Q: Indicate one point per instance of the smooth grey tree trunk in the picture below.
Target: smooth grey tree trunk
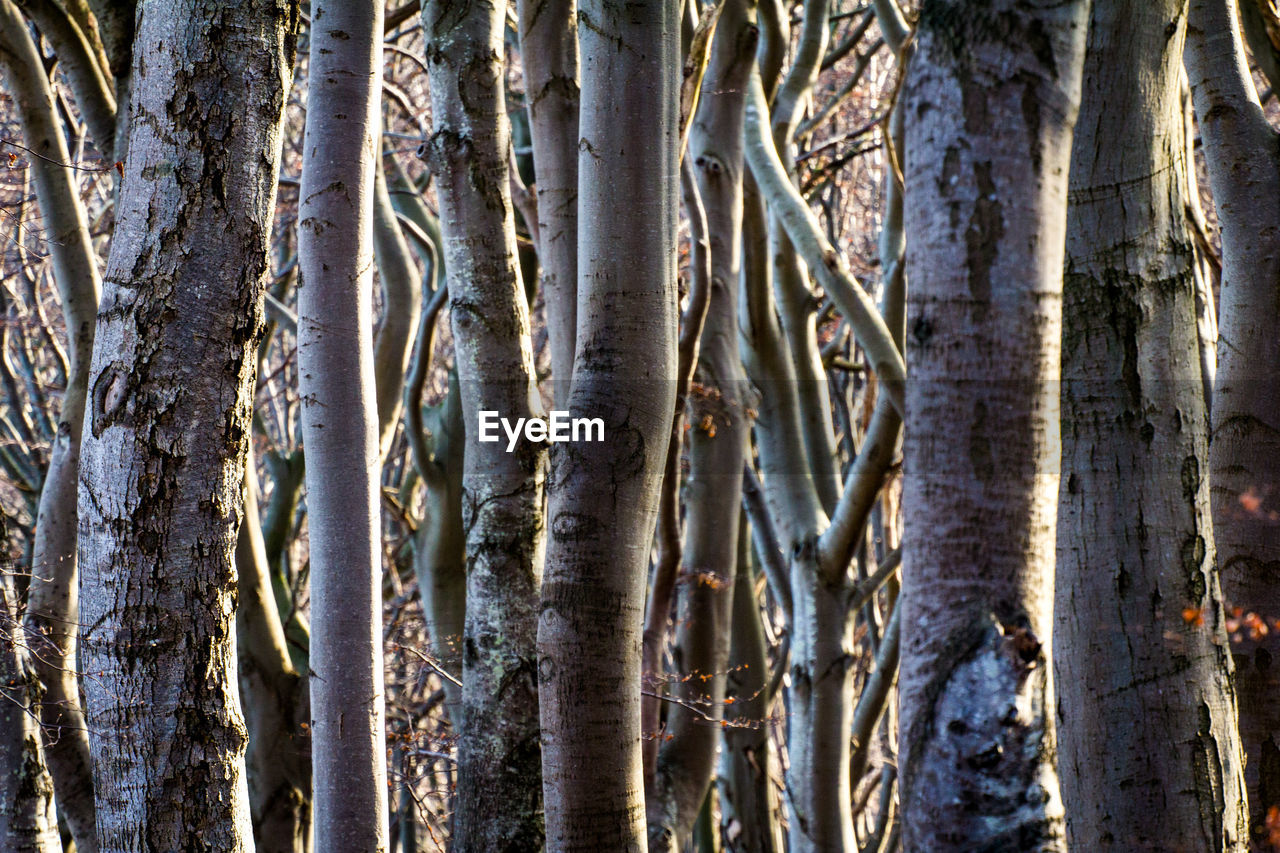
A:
(52, 598)
(499, 803)
(549, 51)
(604, 495)
(717, 448)
(401, 304)
(1244, 449)
(1149, 749)
(991, 99)
(276, 706)
(168, 423)
(341, 150)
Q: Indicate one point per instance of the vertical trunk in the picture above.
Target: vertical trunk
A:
(340, 427)
(499, 804)
(400, 308)
(717, 448)
(604, 495)
(28, 823)
(163, 461)
(991, 101)
(1147, 726)
(52, 603)
(549, 49)
(278, 757)
(748, 762)
(1244, 449)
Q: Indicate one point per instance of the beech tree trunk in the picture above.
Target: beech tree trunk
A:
(340, 428)
(717, 450)
(499, 779)
(549, 51)
(991, 99)
(53, 595)
(1244, 449)
(170, 389)
(28, 820)
(604, 495)
(1149, 747)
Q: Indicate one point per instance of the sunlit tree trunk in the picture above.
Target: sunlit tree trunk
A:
(162, 458)
(1149, 749)
(1244, 449)
(52, 598)
(990, 102)
(604, 495)
(499, 780)
(341, 150)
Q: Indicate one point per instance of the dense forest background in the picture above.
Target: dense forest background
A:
(937, 349)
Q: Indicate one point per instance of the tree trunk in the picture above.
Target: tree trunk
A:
(499, 782)
(549, 51)
(401, 303)
(278, 759)
(748, 763)
(53, 600)
(604, 495)
(340, 426)
(1244, 448)
(717, 450)
(28, 822)
(991, 100)
(1148, 742)
(163, 462)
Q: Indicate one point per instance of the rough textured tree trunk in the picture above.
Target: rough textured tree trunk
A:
(28, 821)
(549, 51)
(163, 458)
(499, 781)
(991, 100)
(604, 495)
(52, 598)
(717, 449)
(1149, 748)
(340, 427)
(1244, 448)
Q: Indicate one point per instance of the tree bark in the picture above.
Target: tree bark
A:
(549, 51)
(499, 781)
(53, 601)
(1146, 712)
(278, 757)
(163, 462)
(400, 307)
(717, 449)
(28, 821)
(340, 427)
(1244, 446)
(604, 495)
(991, 100)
